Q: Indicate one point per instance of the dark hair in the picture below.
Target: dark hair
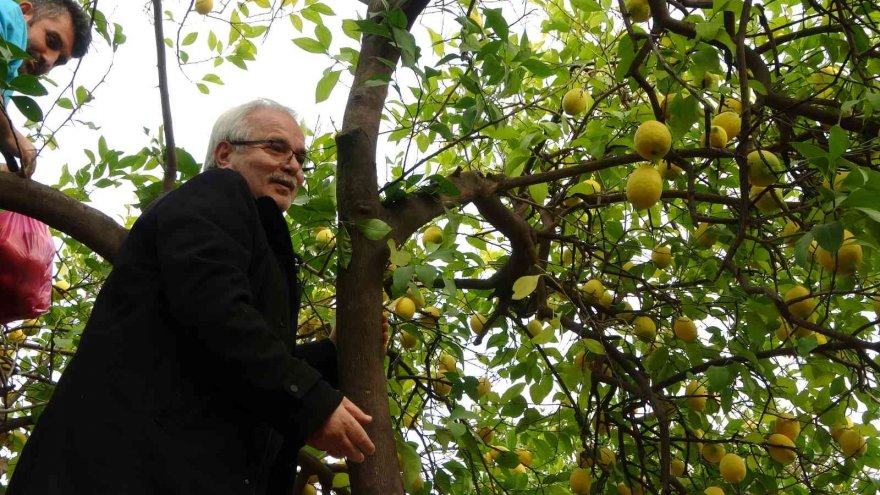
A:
(82, 26)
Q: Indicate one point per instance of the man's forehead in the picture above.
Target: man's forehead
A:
(275, 120)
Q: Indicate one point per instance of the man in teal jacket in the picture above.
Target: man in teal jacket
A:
(51, 31)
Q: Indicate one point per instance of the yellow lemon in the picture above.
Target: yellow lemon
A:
(677, 467)
(733, 468)
(730, 105)
(717, 137)
(713, 452)
(644, 187)
(788, 425)
(204, 6)
(644, 328)
(766, 201)
(730, 122)
(324, 238)
(484, 386)
(713, 490)
(685, 329)
(593, 290)
(669, 171)
(704, 237)
(697, 396)
(652, 140)
(762, 167)
(804, 306)
(848, 258)
(476, 323)
(576, 101)
(638, 10)
(661, 256)
(405, 308)
(580, 481)
(432, 235)
(852, 443)
(781, 449)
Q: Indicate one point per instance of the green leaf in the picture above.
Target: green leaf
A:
(189, 39)
(343, 247)
(594, 346)
(525, 286)
(310, 45)
(538, 68)
(805, 345)
(720, 377)
(373, 228)
(495, 21)
(829, 236)
(340, 480)
(870, 213)
(539, 192)
(838, 142)
(326, 85)
(28, 107)
(28, 85)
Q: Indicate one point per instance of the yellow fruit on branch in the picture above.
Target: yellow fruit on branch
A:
(405, 308)
(484, 386)
(447, 362)
(486, 433)
(713, 452)
(685, 329)
(788, 425)
(534, 328)
(790, 232)
(652, 140)
(638, 10)
(407, 340)
(852, 443)
(309, 489)
(519, 469)
(730, 122)
(730, 105)
(580, 481)
(762, 167)
(705, 236)
(644, 328)
(661, 256)
(644, 187)
(204, 6)
(669, 171)
(713, 490)
(324, 238)
(677, 467)
(525, 457)
(697, 396)
(766, 199)
(593, 290)
(837, 429)
(717, 137)
(432, 235)
(733, 468)
(576, 101)
(847, 258)
(798, 303)
(781, 448)
(477, 321)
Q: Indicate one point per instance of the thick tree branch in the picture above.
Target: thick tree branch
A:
(87, 225)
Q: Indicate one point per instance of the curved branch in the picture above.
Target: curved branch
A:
(87, 225)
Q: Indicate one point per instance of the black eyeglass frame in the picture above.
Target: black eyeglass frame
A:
(301, 158)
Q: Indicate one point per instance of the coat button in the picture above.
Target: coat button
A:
(294, 389)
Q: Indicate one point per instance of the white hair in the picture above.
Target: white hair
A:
(234, 125)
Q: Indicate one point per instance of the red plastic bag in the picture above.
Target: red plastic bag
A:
(26, 252)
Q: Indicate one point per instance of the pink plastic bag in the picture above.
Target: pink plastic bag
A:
(26, 252)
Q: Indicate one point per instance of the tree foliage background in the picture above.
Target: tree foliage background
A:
(532, 206)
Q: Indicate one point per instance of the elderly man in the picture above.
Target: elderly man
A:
(51, 31)
(187, 379)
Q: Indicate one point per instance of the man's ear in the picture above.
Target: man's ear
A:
(222, 153)
(27, 9)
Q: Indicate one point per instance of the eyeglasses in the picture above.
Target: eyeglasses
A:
(278, 148)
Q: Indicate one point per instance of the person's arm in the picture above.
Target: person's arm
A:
(204, 239)
(16, 144)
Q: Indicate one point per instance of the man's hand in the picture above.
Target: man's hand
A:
(28, 155)
(343, 435)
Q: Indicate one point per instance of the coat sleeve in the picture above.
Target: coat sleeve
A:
(321, 355)
(205, 235)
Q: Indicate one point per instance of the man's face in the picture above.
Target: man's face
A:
(267, 171)
(50, 41)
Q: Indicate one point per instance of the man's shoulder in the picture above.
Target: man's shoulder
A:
(212, 189)
(12, 24)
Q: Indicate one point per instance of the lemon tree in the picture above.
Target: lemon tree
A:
(693, 314)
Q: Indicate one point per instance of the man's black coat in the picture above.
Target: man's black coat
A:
(187, 380)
